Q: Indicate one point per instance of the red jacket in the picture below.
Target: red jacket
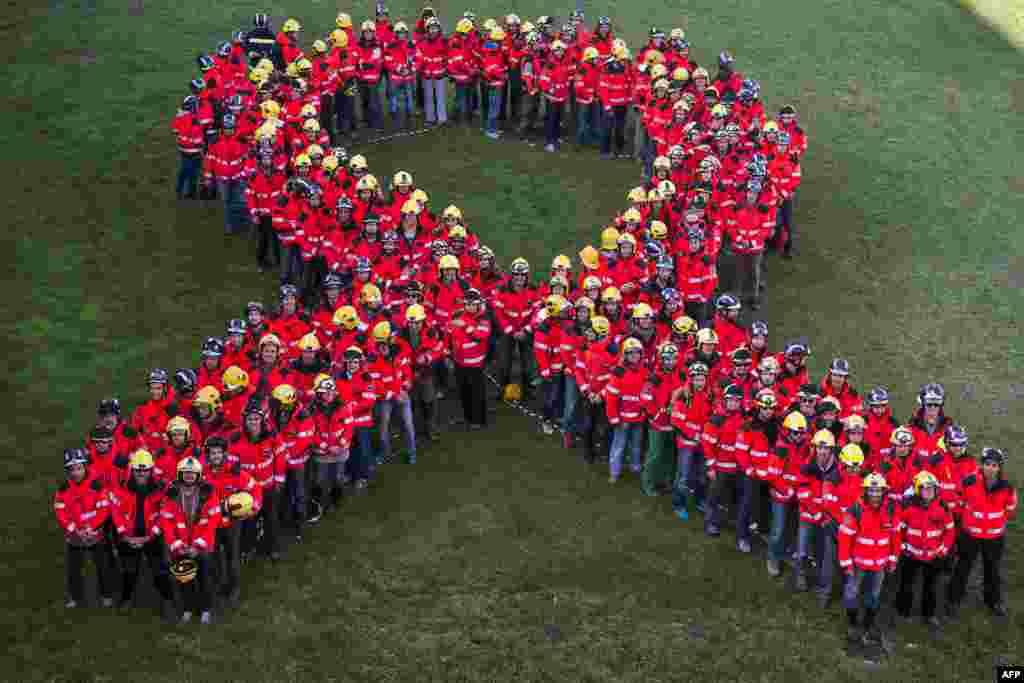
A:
(400, 61)
(190, 132)
(815, 489)
(295, 438)
(730, 335)
(586, 82)
(332, 428)
(657, 396)
(226, 157)
(696, 275)
(127, 501)
(493, 65)
(623, 395)
(928, 529)
(512, 309)
(82, 505)
(613, 86)
(391, 371)
(689, 415)
(431, 57)
(748, 227)
(987, 510)
(260, 457)
(594, 369)
(718, 438)
(462, 66)
(754, 448)
(447, 298)
(469, 339)
(230, 479)
(547, 348)
(554, 80)
(877, 435)
(360, 394)
(869, 537)
(369, 61)
(180, 533)
(150, 420)
(262, 191)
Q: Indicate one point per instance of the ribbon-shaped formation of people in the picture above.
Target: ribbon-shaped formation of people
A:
(386, 308)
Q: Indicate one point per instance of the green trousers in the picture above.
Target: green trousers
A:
(660, 466)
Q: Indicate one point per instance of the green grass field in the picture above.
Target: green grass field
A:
(459, 568)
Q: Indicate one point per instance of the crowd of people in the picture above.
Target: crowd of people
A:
(386, 308)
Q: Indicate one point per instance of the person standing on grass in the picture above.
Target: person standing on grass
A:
(82, 506)
(494, 72)
(613, 92)
(470, 332)
(660, 392)
(431, 64)
(929, 535)
(816, 486)
(190, 134)
(554, 84)
(624, 407)
(400, 59)
(369, 66)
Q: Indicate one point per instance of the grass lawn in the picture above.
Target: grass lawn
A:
(499, 556)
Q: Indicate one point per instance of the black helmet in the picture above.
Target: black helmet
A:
(75, 456)
(759, 328)
(205, 63)
(158, 376)
(109, 406)
(260, 21)
(213, 347)
(333, 280)
(236, 326)
(185, 381)
(190, 103)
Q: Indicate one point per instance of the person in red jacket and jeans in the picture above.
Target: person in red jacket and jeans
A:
(624, 406)
(554, 83)
(613, 92)
(82, 507)
(191, 138)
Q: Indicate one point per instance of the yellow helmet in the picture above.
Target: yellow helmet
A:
(611, 295)
(642, 310)
(303, 64)
(457, 232)
(851, 455)
(239, 504)
(189, 464)
(270, 338)
(180, 424)
(400, 26)
(652, 57)
(513, 392)
(368, 25)
(823, 437)
(310, 125)
(410, 208)
(346, 317)
(876, 481)
(401, 178)
(320, 379)
(680, 74)
(415, 313)
(452, 211)
(234, 378)
(209, 396)
(343, 20)
(620, 52)
(382, 331)
(771, 126)
(339, 38)
(684, 324)
(497, 34)
(658, 73)
(420, 196)
(558, 45)
(490, 24)
(633, 215)
(555, 304)
(795, 422)
(357, 162)
(662, 163)
(308, 111)
(659, 230)
(719, 111)
(270, 109)
(141, 460)
(257, 75)
(448, 261)
(463, 26)
(285, 394)
(590, 257)
(637, 194)
(330, 163)
(600, 325)
(315, 150)
(855, 423)
(370, 294)
(590, 54)
(632, 344)
(367, 182)
(609, 238)
(291, 26)
(924, 478)
(309, 342)
(561, 261)
(303, 160)
(267, 131)
(707, 335)
(265, 65)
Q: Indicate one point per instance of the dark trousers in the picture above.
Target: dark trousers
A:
(268, 244)
(424, 401)
(327, 115)
(755, 506)
(360, 463)
(698, 310)
(344, 112)
(726, 486)
(554, 396)
(270, 517)
(593, 428)
(991, 551)
(909, 568)
(131, 561)
(369, 94)
(512, 96)
(229, 558)
(297, 504)
(188, 175)
(313, 275)
(74, 559)
(614, 126)
(785, 231)
(197, 594)
(552, 122)
(507, 347)
(471, 394)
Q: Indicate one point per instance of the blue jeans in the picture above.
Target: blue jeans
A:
(293, 265)
(344, 111)
(400, 97)
(493, 108)
(295, 491)
(614, 125)
(370, 93)
(552, 396)
(233, 194)
(689, 477)
(585, 127)
(570, 399)
(631, 433)
(823, 541)
(777, 535)
(188, 174)
(360, 464)
(863, 583)
(384, 410)
(464, 99)
(752, 492)
(552, 122)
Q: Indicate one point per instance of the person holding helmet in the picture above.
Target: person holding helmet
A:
(624, 407)
(328, 438)
(470, 332)
(547, 351)
(826, 416)
(425, 347)
(431, 60)
(390, 368)
(928, 532)
(211, 365)
(313, 360)
(189, 518)
(659, 395)
(753, 446)
(369, 56)
(269, 370)
(612, 309)
(358, 393)
(208, 416)
(819, 516)
(135, 513)
(869, 544)
(229, 480)
(513, 303)
(290, 322)
(853, 435)
(836, 384)
(82, 507)
(613, 89)
(181, 436)
(257, 449)
(989, 502)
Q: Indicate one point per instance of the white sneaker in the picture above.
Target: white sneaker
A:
(205, 617)
(107, 602)
(548, 428)
(549, 148)
(71, 604)
(186, 617)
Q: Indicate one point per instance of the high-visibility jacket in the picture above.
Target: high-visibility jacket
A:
(493, 65)
(657, 396)
(150, 419)
(391, 371)
(262, 191)
(290, 329)
(512, 308)
(963, 467)
(690, 413)
(369, 61)
(785, 175)
(135, 509)
(940, 464)
(333, 425)
(754, 445)
(166, 458)
(447, 298)
(190, 132)
(869, 537)
(431, 57)
(595, 370)
(469, 339)
(233, 404)
(359, 393)
(284, 214)
(848, 398)
(877, 434)
(928, 529)
(554, 80)
(227, 157)
(181, 532)
(816, 493)
(623, 394)
(986, 510)
(586, 82)
(547, 347)
(260, 456)
(926, 439)
(229, 479)
(718, 439)
(613, 86)
(81, 505)
(462, 66)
